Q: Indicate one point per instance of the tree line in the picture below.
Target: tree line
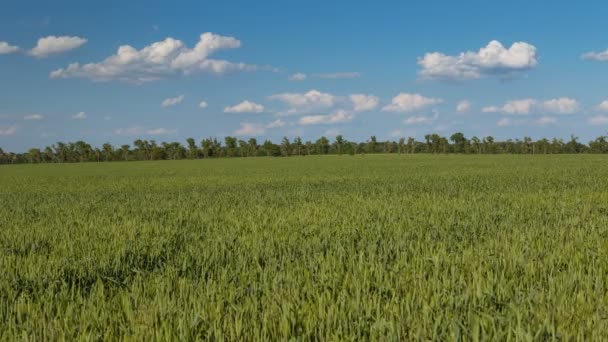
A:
(81, 151)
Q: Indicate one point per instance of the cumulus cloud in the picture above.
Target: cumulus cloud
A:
(203, 105)
(338, 116)
(159, 60)
(250, 129)
(298, 77)
(405, 102)
(463, 106)
(340, 75)
(599, 120)
(172, 101)
(364, 102)
(6, 131)
(311, 99)
(33, 117)
(515, 107)
(245, 107)
(603, 106)
(6, 48)
(504, 122)
(139, 131)
(52, 45)
(596, 56)
(79, 116)
(276, 123)
(562, 105)
(493, 59)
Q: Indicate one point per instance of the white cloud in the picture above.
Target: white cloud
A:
(599, 120)
(250, 129)
(53, 45)
(159, 60)
(276, 123)
(516, 107)
(107, 118)
(161, 131)
(596, 56)
(562, 105)
(6, 48)
(504, 122)
(603, 106)
(203, 105)
(298, 77)
(363, 102)
(463, 106)
(546, 120)
(6, 131)
(418, 120)
(337, 117)
(311, 99)
(245, 107)
(340, 75)
(79, 116)
(172, 101)
(494, 59)
(139, 131)
(33, 117)
(405, 102)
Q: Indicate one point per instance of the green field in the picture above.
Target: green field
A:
(382, 247)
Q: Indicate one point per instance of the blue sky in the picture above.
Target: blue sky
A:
(300, 68)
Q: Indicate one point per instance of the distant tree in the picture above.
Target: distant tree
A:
(285, 147)
(322, 145)
(231, 146)
(459, 142)
(192, 148)
(339, 144)
(125, 152)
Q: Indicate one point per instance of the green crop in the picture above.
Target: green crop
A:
(380, 247)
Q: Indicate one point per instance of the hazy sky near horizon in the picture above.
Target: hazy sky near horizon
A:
(115, 71)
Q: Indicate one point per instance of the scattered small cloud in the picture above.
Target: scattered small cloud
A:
(364, 102)
(276, 123)
(546, 120)
(107, 118)
(405, 103)
(599, 120)
(250, 129)
(596, 56)
(311, 100)
(338, 116)
(6, 48)
(173, 101)
(562, 105)
(53, 45)
(603, 106)
(511, 122)
(298, 76)
(463, 106)
(491, 60)
(79, 116)
(245, 107)
(203, 105)
(141, 131)
(8, 130)
(33, 117)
